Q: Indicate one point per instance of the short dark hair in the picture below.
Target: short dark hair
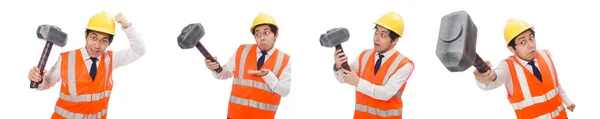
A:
(392, 34)
(273, 28)
(512, 42)
(110, 37)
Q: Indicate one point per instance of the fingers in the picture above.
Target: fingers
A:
(337, 51)
(215, 57)
(488, 63)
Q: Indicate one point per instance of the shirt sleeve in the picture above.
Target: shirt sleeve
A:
(280, 86)
(227, 69)
(563, 94)
(51, 77)
(388, 90)
(134, 52)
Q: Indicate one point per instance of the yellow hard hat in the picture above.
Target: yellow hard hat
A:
(102, 22)
(261, 19)
(392, 21)
(514, 27)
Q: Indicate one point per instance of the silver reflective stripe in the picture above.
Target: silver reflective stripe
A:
(253, 103)
(391, 69)
(278, 62)
(71, 75)
(364, 60)
(70, 115)
(552, 114)
(550, 66)
(252, 83)
(243, 61)
(535, 100)
(85, 97)
(379, 112)
(523, 83)
(398, 94)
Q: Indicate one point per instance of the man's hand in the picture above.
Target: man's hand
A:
(212, 65)
(350, 77)
(485, 77)
(121, 19)
(571, 107)
(34, 74)
(260, 73)
(340, 58)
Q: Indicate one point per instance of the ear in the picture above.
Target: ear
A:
(511, 49)
(395, 41)
(276, 35)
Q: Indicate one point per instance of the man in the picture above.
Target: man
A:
(381, 72)
(530, 77)
(261, 73)
(81, 95)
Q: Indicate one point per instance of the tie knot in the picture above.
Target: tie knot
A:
(531, 63)
(263, 52)
(94, 59)
(380, 55)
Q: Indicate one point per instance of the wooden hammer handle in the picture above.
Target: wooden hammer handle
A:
(345, 64)
(207, 55)
(480, 64)
(42, 64)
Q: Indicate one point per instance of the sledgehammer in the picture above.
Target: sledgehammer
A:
(190, 36)
(335, 37)
(53, 36)
(456, 43)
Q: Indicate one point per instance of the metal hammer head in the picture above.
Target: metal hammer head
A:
(52, 34)
(457, 41)
(190, 35)
(334, 36)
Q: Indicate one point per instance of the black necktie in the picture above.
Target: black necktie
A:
(378, 63)
(536, 71)
(261, 60)
(93, 68)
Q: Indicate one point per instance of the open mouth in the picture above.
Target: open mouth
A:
(376, 44)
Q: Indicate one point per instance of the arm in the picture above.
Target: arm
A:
(563, 94)
(502, 76)
(280, 86)
(134, 52)
(339, 74)
(227, 69)
(52, 76)
(386, 91)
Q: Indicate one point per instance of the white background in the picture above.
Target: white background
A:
(169, 82)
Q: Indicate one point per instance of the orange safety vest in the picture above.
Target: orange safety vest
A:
(80, 97)
(532, 98)
(251, 97)
(370, 108)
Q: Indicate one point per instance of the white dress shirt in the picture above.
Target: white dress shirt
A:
(280, 86)
(503, 77)
(380, 92)
(120, 58)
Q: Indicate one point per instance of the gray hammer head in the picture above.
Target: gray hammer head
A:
(52, 34)
(457, 41)
(190, 35)
(334, 36)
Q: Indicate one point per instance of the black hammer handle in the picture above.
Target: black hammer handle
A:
(345, 64)
(42, 64)
(207, 56)
(480, 64)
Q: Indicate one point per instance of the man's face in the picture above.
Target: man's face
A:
(265, 38)
(381, 40)
(525, 46)
(96, 43)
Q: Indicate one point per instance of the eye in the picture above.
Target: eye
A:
(94, 38)
(522, 42)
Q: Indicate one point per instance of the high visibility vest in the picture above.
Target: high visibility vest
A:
(532, 99)
(80, 97)
(370, 108)
(251, 97)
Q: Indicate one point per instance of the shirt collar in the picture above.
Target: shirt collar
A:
(388, 53)
(268, 52)
(524, 62)
(85, 54)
